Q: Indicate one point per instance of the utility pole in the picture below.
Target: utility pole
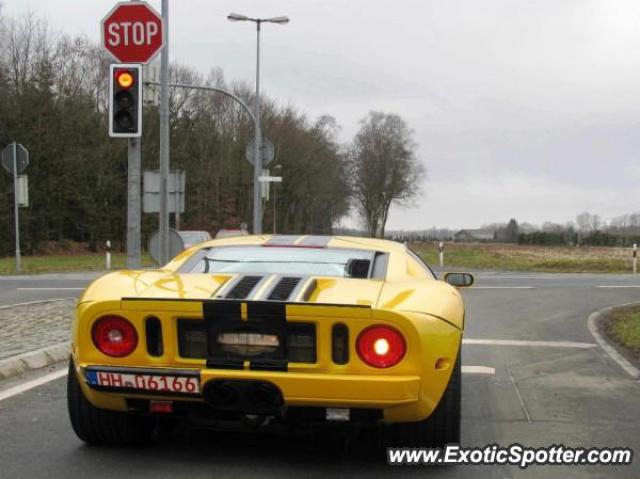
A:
(15, 205)
(257, 160)
(163, 221)
(134, 215)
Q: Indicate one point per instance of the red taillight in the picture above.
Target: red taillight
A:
(114, 336)
(381, 346)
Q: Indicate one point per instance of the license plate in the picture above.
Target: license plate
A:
(248, 339)
(144, 382)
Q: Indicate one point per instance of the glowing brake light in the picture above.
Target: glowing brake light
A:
(124, 79)
(114, 336)
(381, 346)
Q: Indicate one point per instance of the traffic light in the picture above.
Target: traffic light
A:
(125, 101)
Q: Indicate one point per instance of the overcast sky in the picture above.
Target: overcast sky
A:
(525, 109)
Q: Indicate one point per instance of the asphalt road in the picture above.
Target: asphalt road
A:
(564, 391)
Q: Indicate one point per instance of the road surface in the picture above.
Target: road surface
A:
(534, 375)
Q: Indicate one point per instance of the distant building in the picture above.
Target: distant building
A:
(473, 236)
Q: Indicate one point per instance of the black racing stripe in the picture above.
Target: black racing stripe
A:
(270, 318)
(220, 315)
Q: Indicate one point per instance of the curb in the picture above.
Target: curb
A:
(37, 359)
(607, 345)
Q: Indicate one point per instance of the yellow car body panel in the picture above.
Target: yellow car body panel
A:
(429, 314)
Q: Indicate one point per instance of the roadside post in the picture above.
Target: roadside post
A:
(441, 253)
(133, 33)
(108, 255)
(15, 159)
(635, 258)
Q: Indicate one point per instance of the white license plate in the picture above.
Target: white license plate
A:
(144, 382)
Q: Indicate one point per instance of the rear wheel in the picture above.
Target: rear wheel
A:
(100, 426)
(439, 429)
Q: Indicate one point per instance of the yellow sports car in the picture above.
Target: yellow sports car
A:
(307, 331)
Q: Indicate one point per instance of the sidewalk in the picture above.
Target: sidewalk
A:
(34, 335)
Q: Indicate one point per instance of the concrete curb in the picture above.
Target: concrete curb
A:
(609, 347)
(37, 359)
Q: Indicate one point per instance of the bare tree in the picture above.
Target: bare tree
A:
(384, 169)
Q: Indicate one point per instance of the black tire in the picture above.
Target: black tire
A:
(100, 426)
(439, 429)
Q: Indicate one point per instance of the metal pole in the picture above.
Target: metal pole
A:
(15, 204)
(635, 258)
(134, 215)
(163, 221)
(177, 181)
(274, 208)
(257, 162)
(441, 253)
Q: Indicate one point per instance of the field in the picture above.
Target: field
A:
(64, 263)
(563, 259)
(457, 255)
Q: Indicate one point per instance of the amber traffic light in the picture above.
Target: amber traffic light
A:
(125, 101)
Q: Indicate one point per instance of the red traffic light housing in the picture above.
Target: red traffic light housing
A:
(125, 101)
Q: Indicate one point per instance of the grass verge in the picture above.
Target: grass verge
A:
(65, 263)
(624, 328)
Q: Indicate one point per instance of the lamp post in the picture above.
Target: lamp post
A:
(257, 162)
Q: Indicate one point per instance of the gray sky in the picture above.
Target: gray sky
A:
(525, 109)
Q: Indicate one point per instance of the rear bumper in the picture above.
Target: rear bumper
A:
(384, 392)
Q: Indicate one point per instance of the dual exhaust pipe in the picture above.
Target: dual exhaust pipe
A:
(250, 397)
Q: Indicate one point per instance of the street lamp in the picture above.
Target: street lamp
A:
(257, 162)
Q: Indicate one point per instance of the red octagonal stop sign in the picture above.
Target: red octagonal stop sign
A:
(132, 32)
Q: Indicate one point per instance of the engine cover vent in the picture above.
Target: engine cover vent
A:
(243, 288)
(284, 288)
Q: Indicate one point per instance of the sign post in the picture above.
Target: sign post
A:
(635, 258)
(133, 32)
(441, 253)
(15, 159)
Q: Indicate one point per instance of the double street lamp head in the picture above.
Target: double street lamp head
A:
(236, 17)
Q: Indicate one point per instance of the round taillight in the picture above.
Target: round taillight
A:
(114, 336)
(381, 346)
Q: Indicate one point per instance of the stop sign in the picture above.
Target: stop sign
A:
(132, 32)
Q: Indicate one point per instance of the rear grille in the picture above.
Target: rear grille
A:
(300, 341)
(284, 288)
(244, 287)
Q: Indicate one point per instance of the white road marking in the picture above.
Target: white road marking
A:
(478, 370)
(520, 342)
(610, 350)
(619, 286)
(50, 289)
(523, 406)
(503, 287)
(34, 383)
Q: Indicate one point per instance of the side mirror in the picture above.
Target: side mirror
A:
(459, 280)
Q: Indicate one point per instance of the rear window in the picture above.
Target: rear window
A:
(335, 262)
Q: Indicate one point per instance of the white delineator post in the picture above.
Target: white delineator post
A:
(441, 253)
(635, 258)
(108, 255)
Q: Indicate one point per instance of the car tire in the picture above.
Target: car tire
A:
(100, 426)
(442, 427)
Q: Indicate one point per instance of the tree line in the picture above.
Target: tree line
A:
(54, 98)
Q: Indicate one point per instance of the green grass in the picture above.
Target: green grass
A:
(65, 263)
(516, 258)
(624, 328)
